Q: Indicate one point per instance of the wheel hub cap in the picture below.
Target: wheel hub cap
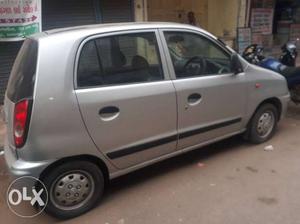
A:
(72, 190)
(265, 124)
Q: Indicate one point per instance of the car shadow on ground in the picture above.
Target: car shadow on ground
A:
(170, 165)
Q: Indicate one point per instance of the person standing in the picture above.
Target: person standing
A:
(192, 19)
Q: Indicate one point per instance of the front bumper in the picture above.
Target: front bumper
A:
(18, 167)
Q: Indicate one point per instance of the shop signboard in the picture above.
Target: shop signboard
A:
(244, 38)
(262, 20)
(19, 19)
(257, 38)
(263, 3)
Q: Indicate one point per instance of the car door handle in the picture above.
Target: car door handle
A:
(109, 113)
(194, 99)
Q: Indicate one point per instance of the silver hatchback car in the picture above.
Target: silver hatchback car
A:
(88, 104)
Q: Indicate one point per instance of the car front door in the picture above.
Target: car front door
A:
(126, 97)
(211, 99)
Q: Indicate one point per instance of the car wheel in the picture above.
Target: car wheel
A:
(263, 124)
(73, 188)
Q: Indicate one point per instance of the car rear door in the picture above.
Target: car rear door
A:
(211, 99)
(126, 97)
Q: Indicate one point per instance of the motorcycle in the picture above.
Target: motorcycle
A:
(254, 55)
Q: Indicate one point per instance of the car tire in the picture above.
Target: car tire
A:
(263, 124)
(73, 188)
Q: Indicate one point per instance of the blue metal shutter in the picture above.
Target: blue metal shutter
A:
(66, 13)
(8, 53)
(116, 11)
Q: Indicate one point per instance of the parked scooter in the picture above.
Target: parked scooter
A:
(254, 55)
(289, 54)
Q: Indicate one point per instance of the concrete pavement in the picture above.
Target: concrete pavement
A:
(230, 182)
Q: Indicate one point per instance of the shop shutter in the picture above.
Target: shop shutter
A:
(8, 53)
(66, 13)
(116, 11)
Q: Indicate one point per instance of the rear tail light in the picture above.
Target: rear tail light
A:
(21, 122)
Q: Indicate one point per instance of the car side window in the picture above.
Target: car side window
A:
(194, 55)
(120, 59)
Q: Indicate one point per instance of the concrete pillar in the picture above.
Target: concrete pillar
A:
(140, 10)
(222, 17)
(242, 15)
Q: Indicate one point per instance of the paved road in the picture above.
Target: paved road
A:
(239, 183)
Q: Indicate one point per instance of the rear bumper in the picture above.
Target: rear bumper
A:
(284, 102)
(19, 168)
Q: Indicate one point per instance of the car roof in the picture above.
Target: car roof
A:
(87, 30)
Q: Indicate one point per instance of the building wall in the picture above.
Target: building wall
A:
(223, 17)
(176, 10)
(217, 16)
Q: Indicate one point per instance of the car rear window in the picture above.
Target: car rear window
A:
(22, 77)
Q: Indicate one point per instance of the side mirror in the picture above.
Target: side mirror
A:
(236, 65)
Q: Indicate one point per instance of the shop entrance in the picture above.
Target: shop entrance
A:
(274, 23)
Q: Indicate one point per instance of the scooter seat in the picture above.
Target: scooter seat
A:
(292, 75)
(290, 71)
